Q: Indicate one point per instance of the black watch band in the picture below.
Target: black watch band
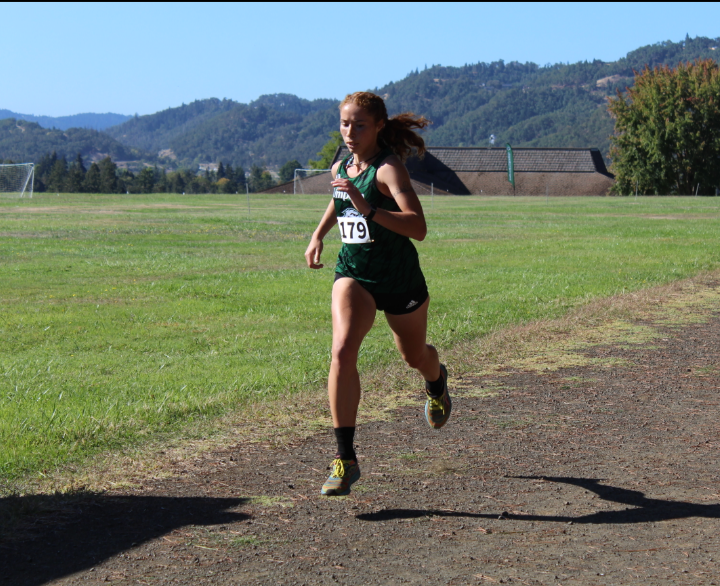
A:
(370, 216)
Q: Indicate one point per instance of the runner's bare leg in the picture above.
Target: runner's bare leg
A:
(410, 331)
(353, 314)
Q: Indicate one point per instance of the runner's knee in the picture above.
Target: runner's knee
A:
(415, 359)
(344, 354)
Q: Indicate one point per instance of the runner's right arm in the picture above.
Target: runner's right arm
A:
(314, 249)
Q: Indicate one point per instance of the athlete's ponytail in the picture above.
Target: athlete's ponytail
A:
(398, 133)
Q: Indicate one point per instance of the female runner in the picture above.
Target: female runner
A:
(377, 212)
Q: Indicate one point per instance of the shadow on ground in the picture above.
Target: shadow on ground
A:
(644, 510)
(70, 533)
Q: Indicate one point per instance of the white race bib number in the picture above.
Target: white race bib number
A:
(353, 229)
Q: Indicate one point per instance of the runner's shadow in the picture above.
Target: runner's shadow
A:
(644, 510)
(58, 535)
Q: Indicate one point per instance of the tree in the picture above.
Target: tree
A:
(108, 176)
(58, 174)
(287, 171)
(200, 184)
(161, 181)
(260, 179)
(46, 164)
(42, 171)
(177, 182)
(667, 131)
(146, 180)
(326, 154)
(92, 179)
(126, 182)
(76, 176)
(224, 185)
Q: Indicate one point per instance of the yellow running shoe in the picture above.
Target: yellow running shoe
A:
(344, 473)
(437, 410)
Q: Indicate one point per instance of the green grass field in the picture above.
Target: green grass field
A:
(126, 318)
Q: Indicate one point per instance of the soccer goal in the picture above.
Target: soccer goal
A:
(17, 180)
(312, 181)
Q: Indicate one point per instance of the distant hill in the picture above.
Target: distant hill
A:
(94, 121)
(264, 132)
(527, 105)
(562, 105)
(23, 141)
(523, 104)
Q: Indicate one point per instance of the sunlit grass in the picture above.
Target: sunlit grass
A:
(122, 317)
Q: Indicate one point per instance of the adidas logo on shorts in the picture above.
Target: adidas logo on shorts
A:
(413, 303)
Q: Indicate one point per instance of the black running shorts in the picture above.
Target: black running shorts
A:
(393, 304)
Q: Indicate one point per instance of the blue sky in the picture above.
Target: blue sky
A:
(69, 58)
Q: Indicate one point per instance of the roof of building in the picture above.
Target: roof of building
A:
(465, 171)
(483, 160)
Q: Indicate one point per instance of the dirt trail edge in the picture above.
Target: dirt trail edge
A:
(600, 468)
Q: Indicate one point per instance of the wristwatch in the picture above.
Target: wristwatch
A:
(370, 216)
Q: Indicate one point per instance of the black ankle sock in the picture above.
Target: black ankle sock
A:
(435, 388)
(345, 437)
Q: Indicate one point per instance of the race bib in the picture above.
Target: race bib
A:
(353, 227)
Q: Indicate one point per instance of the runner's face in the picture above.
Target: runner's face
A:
(359, 130)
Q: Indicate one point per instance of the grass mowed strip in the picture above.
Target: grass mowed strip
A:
(130, 318)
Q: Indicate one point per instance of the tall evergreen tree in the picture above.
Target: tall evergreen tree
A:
(92, 179)
(260, 179)
(80, 164)
(108, 176)
(42, 171)
(126, 182)
(76, 175)
(43, 168)
(146, 180)
(161, 181)
(58, 175)
(177, 182)
(230, 175)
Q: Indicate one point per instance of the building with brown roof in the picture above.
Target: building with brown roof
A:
(483, 171)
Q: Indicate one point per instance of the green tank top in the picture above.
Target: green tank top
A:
(383, 261)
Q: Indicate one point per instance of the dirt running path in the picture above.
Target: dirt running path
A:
(587, 475)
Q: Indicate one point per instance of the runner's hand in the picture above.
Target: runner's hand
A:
(313, 252)
(356, 197)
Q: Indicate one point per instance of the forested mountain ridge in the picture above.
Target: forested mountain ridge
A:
(261, 132)
(562, 105)
(155, 132)
(89, 120)
(23, 141)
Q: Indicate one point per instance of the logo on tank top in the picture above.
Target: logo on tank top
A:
(342, 195)
(351, 213)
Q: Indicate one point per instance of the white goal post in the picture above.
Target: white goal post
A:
(302, 179)
(17, 180)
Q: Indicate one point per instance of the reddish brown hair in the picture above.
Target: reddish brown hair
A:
(398, 133)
